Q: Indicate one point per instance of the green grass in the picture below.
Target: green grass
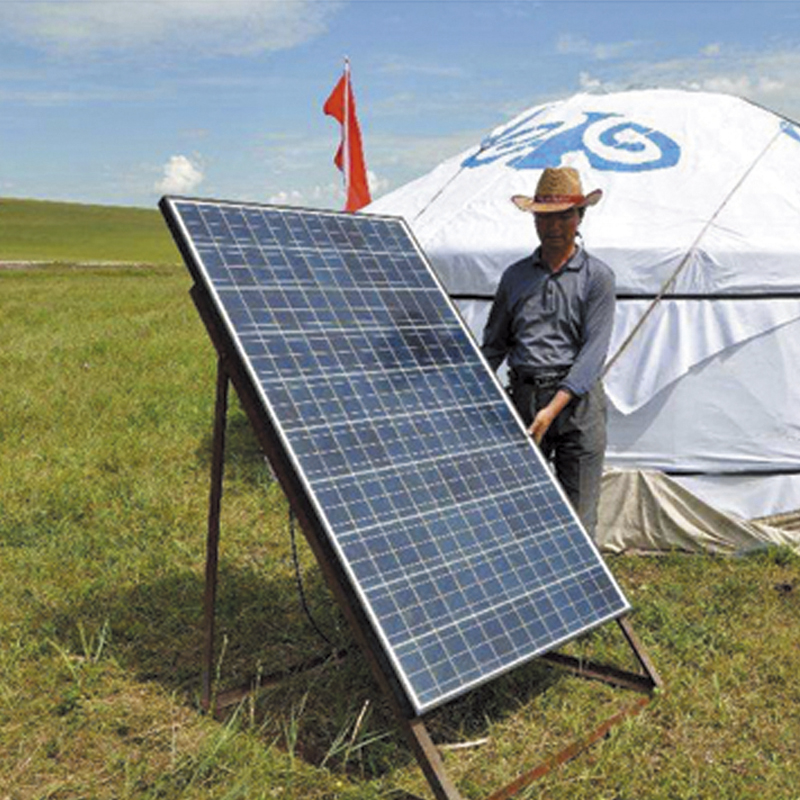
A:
(35, 230)
(107, 407)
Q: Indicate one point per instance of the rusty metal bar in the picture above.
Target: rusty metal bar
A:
(646, 681)
(568, 753)
(230, 697)
(212, 540)
(601, 672)
(640, 652)
(430, 760)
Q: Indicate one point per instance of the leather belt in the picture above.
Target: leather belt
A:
(541, 376)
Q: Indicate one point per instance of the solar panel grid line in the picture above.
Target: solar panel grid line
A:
(446, 473)
(371, 442)
(484, 649)
(475, 412)
(365, 344)
(384, 393)
(515, 583)
(384, 355)
(457, 572)
(352, 498)
(402, 563)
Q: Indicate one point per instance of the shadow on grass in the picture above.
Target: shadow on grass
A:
(332, 715)
(157, 627)
(244, 458)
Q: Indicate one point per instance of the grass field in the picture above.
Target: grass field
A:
(107, 407)
(35, 230)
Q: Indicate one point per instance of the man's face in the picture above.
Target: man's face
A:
(558, 230)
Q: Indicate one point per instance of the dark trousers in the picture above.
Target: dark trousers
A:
(575, 443)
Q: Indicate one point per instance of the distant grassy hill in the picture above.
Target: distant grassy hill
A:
(36, 230)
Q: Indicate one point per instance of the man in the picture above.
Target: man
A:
(552, 318)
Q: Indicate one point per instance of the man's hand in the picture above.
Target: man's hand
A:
(545, 416)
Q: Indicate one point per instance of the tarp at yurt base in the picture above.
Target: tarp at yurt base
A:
(700, 221)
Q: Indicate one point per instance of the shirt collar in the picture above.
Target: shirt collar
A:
(575, 263)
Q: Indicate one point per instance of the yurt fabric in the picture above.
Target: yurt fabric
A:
(647, 512)
(700, 221)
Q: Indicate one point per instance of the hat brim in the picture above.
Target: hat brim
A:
(530, 204)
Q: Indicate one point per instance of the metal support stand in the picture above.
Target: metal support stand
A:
(646, 682)
(212, 540)
(413, 727)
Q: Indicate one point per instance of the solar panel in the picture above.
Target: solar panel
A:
(457, 542)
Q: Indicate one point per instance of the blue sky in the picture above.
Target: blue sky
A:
(119, 101)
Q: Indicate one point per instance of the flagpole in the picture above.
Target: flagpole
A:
(346, 126)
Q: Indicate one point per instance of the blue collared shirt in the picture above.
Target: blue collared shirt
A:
(546, 320)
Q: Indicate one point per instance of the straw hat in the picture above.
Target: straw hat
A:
(558, 189)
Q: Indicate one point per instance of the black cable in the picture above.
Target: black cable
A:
(299, 579)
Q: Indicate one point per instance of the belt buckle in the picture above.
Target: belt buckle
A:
(548, 378)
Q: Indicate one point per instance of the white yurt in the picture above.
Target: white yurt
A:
(700, 221)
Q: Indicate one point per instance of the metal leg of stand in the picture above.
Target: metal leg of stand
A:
(212, 541)
(640, 652)
(430, 760)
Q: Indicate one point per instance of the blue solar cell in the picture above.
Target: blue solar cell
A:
(462, 550)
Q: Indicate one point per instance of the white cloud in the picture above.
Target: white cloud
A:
(465, 101)
(766, 77)
(377, 184)
(398, 158)
(292, 197)
(181, 176)
(232, 26)
(742, 85)
(569, 45)
(329, 195)
(588, 83)
(400, 65)
(712, 50)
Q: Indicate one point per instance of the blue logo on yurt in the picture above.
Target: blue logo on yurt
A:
(790, 129)
(608, 140)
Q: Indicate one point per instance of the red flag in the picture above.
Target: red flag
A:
(350, 156)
